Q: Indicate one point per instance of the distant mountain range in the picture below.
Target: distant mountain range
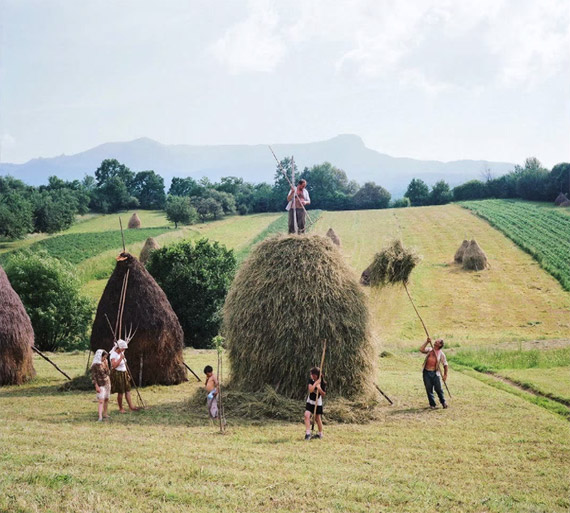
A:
(255, 163)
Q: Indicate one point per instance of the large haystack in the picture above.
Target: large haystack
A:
(474, 259)
(561, 198)
(16, 337)
(134, 221)
(333, 236)
(149, 246)
(291, 294)
(461, 251)
(159, 337)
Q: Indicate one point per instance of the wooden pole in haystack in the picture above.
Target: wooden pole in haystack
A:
(122, 235)
(195, 375)
(218, 342)
(387, 398)
(292, 187)
(320, 377)
(34, 348)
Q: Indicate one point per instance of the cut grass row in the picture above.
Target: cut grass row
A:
(543, 233)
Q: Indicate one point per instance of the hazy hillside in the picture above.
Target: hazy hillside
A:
(254, 163)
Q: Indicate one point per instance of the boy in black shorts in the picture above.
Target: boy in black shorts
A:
(317, 387)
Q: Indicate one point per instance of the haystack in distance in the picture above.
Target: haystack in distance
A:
(159, 340)
(461, 251)
(16, 337)
(289, 295)
(149, 246)
(134, 221)
(474, 258)
(333, 236)
(561, 198)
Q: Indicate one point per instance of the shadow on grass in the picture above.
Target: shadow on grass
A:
(409, 411)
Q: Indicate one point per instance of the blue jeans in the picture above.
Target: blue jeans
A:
(431, 381)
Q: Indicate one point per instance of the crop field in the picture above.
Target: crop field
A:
(502, 446)
(544, 233)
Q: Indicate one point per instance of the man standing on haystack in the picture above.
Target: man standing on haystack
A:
(432, 377)
(298, 198)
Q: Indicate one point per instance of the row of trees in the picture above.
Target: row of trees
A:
(530, 182)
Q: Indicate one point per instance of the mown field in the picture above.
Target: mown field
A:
(498, 448)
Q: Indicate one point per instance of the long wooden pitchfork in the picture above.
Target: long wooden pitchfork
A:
(320, 377)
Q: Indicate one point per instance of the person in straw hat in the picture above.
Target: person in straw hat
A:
(102, 382)
(300, 197)
(120, 382)
(432, 376)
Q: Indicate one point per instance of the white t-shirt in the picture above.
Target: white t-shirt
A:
(122, 367)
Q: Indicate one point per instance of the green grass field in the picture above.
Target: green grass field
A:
(498, 448)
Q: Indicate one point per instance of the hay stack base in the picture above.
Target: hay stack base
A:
(267, 404)
(134, 221)
(290, 295)
(16, 337)
(474, 258)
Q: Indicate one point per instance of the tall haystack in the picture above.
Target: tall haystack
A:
(561, 198)
(149, 246)
(474, 259)
(289, 295)
(159, 339)
(333, 236)
(134, 221)
(565, 204)
(461, 251)
(16, 337)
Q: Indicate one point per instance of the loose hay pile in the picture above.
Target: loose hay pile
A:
(474, 259)
(561, 198)
(149, 246)
(393, 264)
(461, 251)
(333, 236)
(159, 338)
(134, 221)
(290, 294)
(16, 337)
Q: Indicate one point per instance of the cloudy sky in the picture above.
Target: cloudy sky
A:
(431, 79)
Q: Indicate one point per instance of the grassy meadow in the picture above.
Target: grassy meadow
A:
(502, 446)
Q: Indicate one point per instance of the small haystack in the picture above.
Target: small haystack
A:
(393, 264)
(149, 246)
(565, 204)
(461, 251)
(474, 259)
(561, 198)
(16, 337)
(159, 338)
(289, 295)
(333, 236)
(134, 221)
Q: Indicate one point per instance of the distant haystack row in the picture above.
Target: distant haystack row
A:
(471, 256)
(16, 337)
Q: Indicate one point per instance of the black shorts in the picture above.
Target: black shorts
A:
(311, 407)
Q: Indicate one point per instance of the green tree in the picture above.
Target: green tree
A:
(532, 180)
(328, 185)
(49, 289)
(148, 188)
(418, 193)
(112, 196)
(207, 208)
(440, 193)
(180, 210)
(370, 196)
(195, 278)
(559, 179)
(16, 215)
(185, 187)
(471, 190)
(112, 168)
(54, 210)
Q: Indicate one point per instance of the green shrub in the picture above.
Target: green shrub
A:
(49, 289)
(196, 278)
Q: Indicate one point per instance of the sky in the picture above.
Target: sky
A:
(428, 79)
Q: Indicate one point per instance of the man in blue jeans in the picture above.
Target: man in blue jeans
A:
(432, 377)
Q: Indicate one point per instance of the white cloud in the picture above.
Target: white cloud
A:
(253, 44)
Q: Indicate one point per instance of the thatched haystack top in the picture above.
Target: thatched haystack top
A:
(16, 337)
(561, 198)
(134, 221)
(159, 336)
(474, 258)
(149, 246)
(460, 251)
(393, 264)
(333, 236)
(289, 295)
(565, 204)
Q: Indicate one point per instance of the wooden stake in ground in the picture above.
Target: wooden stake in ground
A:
(320, 377)
(195, 375)
(218, 342)
(47, 359)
